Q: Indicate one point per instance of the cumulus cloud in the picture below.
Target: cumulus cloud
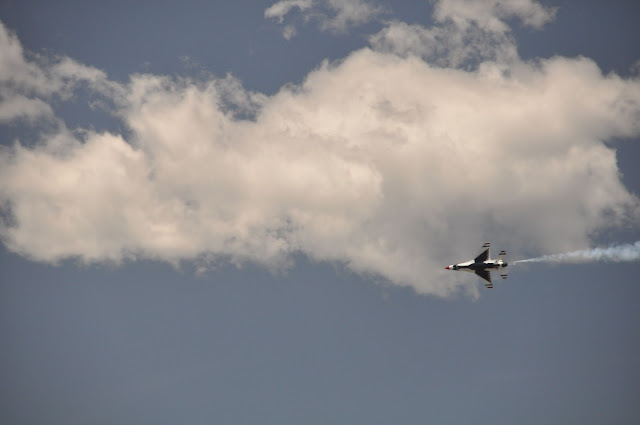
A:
(388, 164)
(330, 15)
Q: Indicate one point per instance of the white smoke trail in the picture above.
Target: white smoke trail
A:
(617, 254)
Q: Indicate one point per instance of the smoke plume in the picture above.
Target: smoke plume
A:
(616, 254)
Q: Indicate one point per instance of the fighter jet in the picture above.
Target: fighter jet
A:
(482, 265)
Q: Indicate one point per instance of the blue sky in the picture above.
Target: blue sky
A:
(213, 215)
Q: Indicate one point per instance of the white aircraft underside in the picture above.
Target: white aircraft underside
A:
(483, 265)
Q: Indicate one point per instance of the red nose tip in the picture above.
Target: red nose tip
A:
(447, 267)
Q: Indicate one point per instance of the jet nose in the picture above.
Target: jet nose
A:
(447, 267)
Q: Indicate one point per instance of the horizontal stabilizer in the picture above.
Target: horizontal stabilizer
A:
(502, 256)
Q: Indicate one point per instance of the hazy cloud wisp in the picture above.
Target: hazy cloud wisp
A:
(330, 15)
(490, 15)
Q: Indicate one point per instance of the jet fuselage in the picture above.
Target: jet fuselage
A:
(478, 266)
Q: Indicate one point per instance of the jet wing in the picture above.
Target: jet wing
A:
(483, 255)
(486, 275)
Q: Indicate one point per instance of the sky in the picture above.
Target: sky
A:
(241, 213)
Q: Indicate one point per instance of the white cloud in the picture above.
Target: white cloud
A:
(385, 163)
(331, 15)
